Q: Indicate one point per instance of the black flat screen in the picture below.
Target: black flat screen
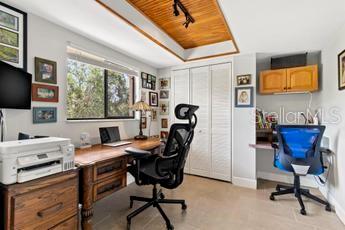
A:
(15, 87)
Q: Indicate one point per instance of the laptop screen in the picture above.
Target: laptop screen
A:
(109, 134)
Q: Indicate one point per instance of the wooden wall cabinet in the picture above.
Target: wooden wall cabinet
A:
(297, 79)
(46, 203)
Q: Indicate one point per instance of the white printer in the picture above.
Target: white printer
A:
(26, 160)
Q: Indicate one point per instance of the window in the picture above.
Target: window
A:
(94, 92)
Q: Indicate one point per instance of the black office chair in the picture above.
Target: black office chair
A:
(167, 169)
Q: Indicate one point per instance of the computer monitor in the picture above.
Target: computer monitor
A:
(109, 134)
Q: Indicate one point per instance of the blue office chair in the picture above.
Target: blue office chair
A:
(299, 152)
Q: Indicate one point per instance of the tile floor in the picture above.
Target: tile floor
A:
(215, 205)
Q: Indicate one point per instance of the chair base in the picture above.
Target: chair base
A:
(157, 198)
(299, 192)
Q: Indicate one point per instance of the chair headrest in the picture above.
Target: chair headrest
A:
(185, 111)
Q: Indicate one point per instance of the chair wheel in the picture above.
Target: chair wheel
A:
(328, 208)
(170, 227)
(184, 206)
(303, 212)
(272, 197)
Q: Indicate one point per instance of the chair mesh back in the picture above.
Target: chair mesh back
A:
(298, 142)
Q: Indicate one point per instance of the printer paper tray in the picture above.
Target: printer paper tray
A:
(24, 176)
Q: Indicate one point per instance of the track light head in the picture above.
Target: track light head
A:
(176, 12)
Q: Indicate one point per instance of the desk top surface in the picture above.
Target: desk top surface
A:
(99, 153)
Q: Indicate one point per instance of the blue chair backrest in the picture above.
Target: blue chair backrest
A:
(300, 145)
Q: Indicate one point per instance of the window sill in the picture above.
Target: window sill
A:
(101, 120)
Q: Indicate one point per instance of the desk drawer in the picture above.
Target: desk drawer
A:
(45, 208)
(109, 168)
(109, 186)
(70, 224)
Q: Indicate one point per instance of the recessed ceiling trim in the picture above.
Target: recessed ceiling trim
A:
(139, 29)
(156, 41)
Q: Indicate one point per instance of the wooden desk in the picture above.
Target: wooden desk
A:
(103, 172)
(49, 202)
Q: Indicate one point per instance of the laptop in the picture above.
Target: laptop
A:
(110, 136)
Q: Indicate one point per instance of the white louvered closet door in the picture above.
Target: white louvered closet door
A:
(200, 156)
(221, 121)
(181, 95)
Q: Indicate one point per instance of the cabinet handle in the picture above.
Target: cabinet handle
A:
(50, 210)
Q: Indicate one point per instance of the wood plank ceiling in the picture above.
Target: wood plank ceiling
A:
(210, 26)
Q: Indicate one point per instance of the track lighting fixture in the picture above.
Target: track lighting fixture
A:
(189, 19)
(176, 12)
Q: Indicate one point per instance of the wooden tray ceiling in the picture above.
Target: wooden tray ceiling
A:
(210, 26)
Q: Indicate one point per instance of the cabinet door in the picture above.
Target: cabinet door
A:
(273, 81)
(221, 122)
(200, 157)
(181, 95)
(302, 79)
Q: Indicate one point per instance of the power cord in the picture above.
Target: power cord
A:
(320, 181)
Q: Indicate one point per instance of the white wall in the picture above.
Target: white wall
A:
(49, 41)
(331, 97)
(244, 157)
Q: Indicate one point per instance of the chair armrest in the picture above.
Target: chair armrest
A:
(137, 153)
(275, 146)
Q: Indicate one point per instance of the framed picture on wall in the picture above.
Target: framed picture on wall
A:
(46, 93)
(164, 124)
(244, 97)
(154, 115)
(44, 115)
(164, 94)
(164, 134)
(45, 71)
(164, 108)
(13, 36)
(164, 83)
(244, 79)
(153, 99)
(341, 70)
(148, 81)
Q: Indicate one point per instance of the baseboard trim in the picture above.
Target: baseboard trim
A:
(307, 181)
(244, 182)
(339, 210)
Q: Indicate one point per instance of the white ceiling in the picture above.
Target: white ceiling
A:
(258, 26)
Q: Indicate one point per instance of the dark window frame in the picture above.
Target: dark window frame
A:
(106, 117)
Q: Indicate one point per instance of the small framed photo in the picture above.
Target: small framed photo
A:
(164, 83)
(164, 124)
(164, 134)
(164, 94)
(153, 99)
(244, 79)
(143, 122)
(341, 69)
(164, 108)
(44, 115)
(154, 115)
(46, 93)
(45, 71)
(244, 97)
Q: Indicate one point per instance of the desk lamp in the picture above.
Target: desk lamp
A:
(141, 106)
